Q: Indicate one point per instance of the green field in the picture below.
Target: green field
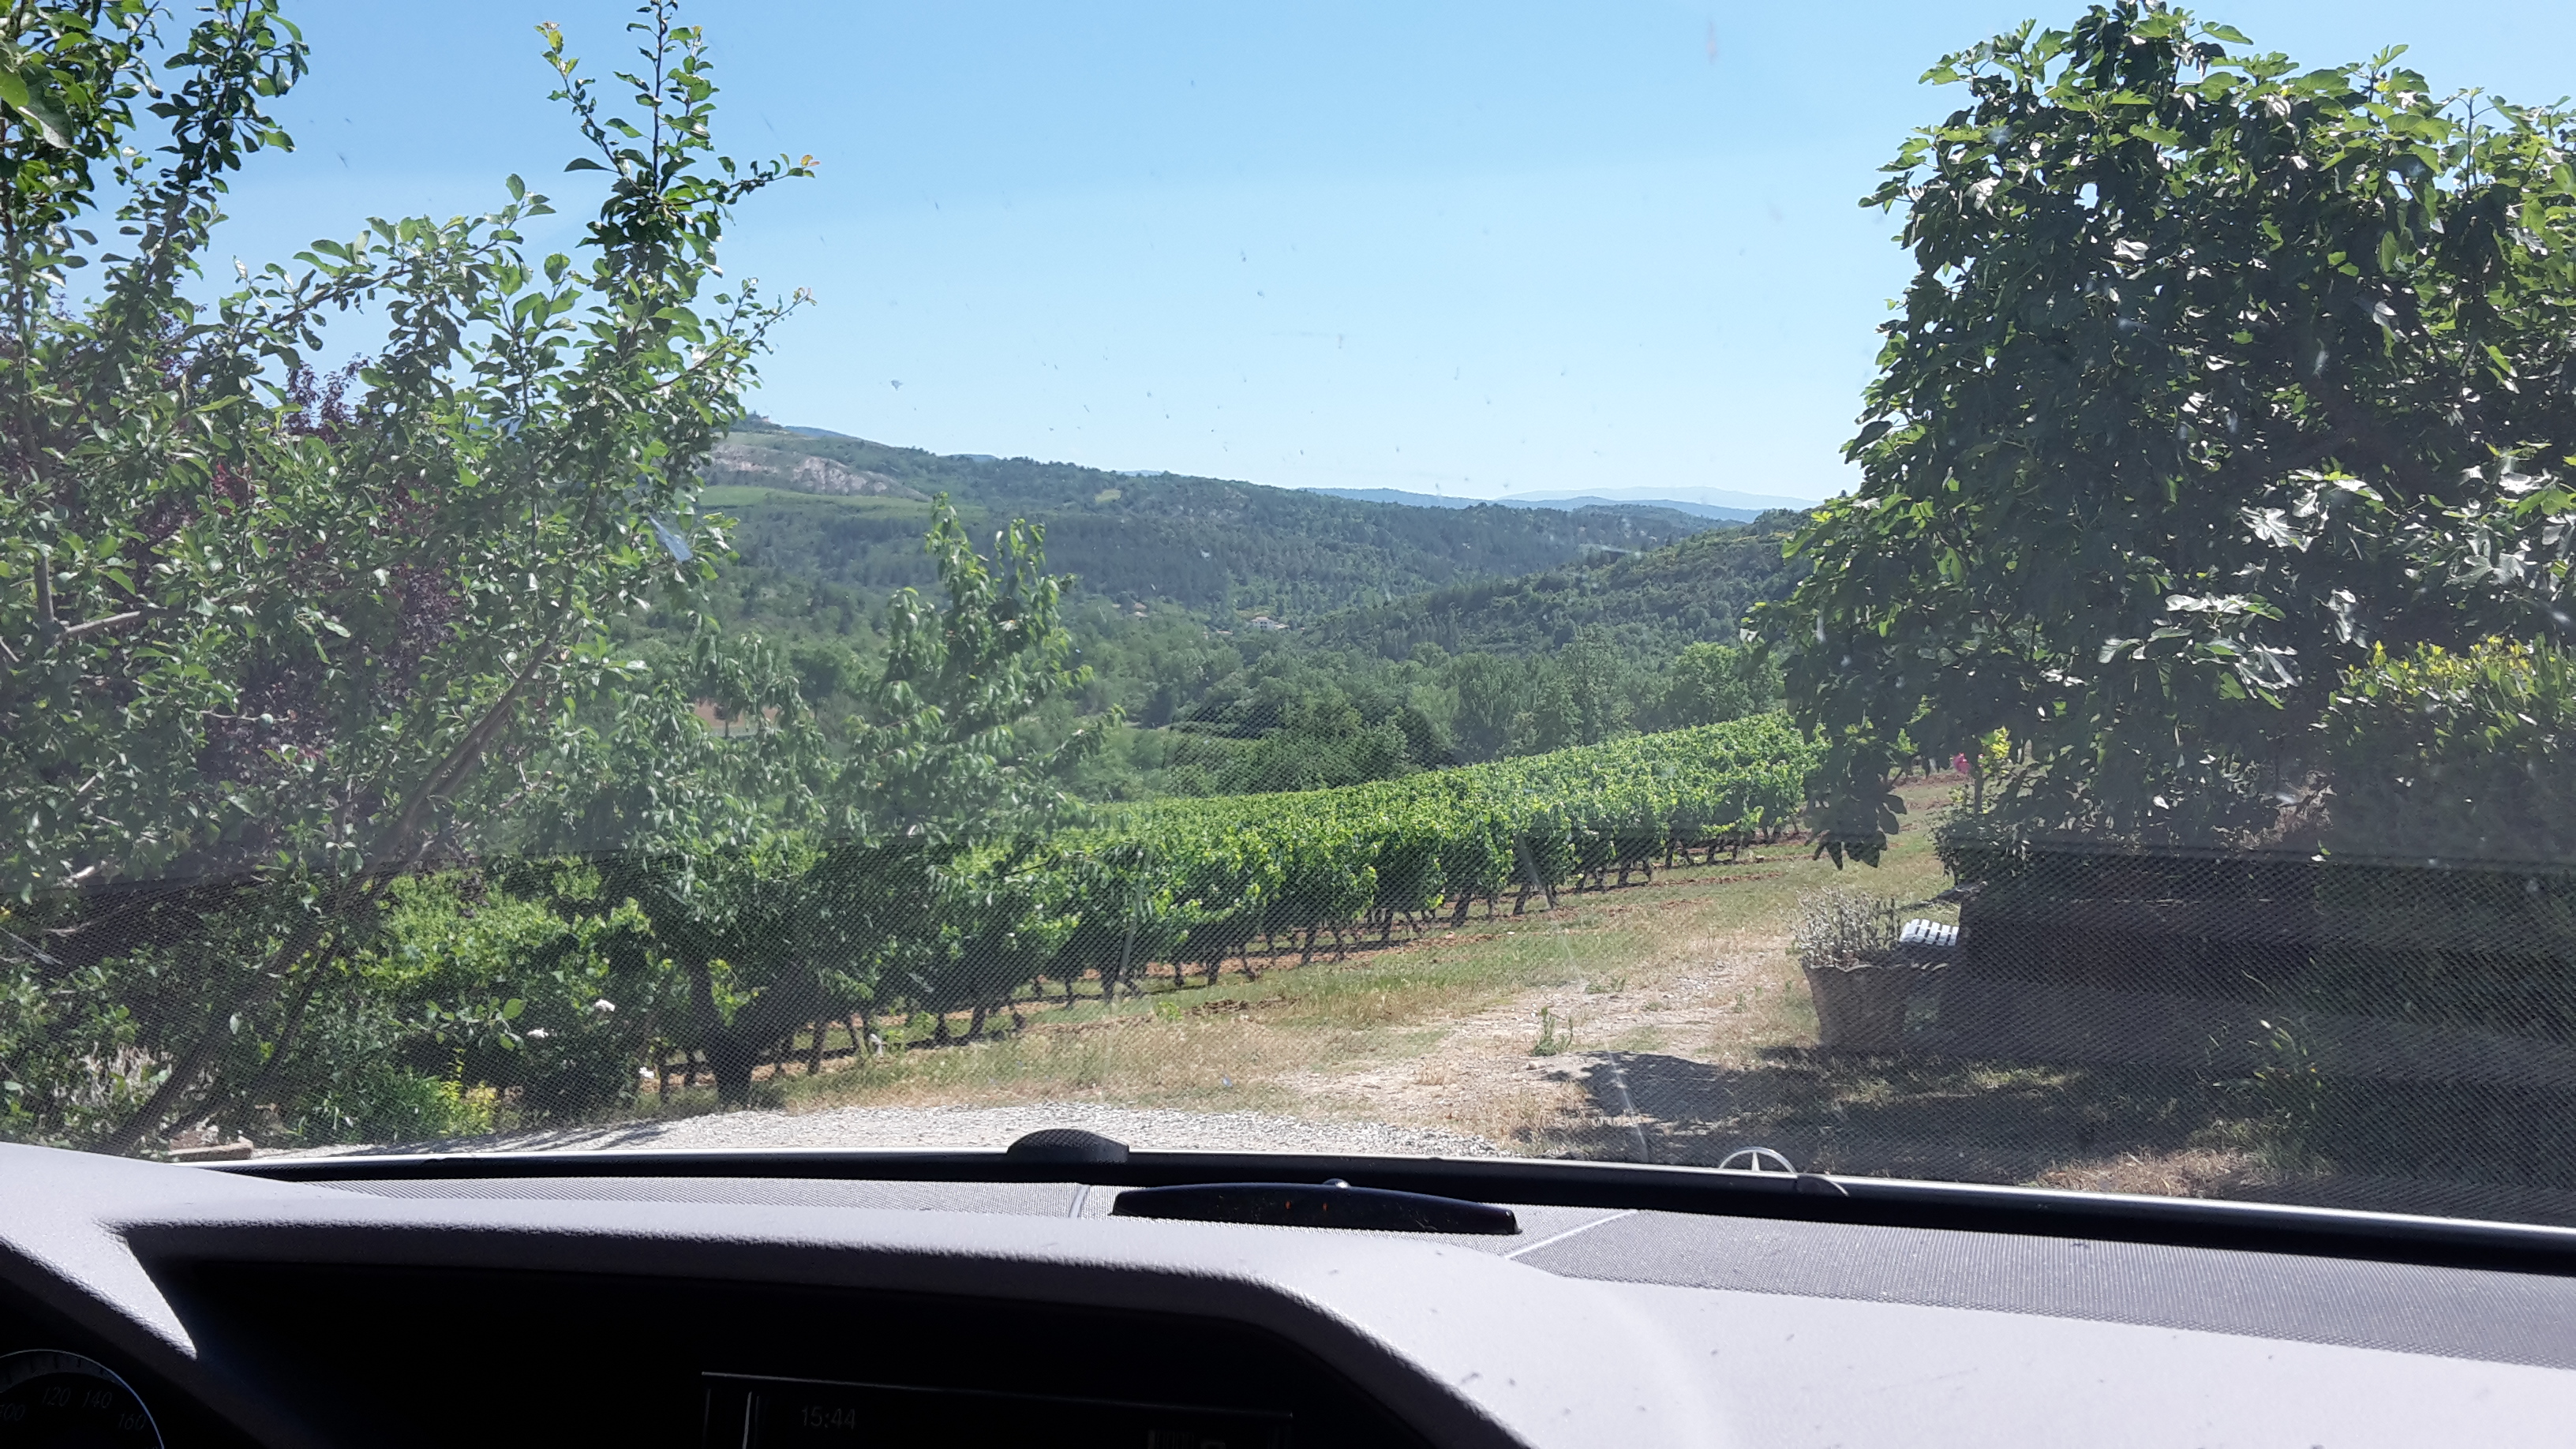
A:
(728, 496)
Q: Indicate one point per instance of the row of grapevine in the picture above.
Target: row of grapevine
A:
(1197, 880)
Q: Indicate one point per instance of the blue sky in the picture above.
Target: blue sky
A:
(1475, 249)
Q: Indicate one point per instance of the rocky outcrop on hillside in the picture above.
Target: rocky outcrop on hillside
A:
(744, 465)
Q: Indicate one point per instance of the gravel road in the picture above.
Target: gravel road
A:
(861, 1127)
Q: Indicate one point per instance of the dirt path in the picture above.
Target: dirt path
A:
(1529, 1074)
(1667, 1043)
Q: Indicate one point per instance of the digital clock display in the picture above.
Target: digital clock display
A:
(770, 1413)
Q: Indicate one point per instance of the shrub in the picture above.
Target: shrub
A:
(1840, 926)
(2458, 755)
(383, 1103)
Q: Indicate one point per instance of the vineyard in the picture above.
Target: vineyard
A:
(1197, 881)
(536, 989)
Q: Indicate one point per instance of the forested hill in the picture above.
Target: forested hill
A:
(846, 511)
(1650, 603)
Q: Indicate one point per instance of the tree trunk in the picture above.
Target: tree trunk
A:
(310, 936)
(731, 1064)
(1530, 879)
(729, 1059)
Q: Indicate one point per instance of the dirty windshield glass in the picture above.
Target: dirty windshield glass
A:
(1970, 598)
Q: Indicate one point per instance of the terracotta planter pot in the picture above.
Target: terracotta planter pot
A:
(1860, 1003)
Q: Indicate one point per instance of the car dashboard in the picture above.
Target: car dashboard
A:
(973, 1299)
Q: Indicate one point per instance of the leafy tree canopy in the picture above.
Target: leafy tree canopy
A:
(2215, 376)
(259, 629)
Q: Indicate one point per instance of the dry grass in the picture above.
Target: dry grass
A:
(2189, 1172)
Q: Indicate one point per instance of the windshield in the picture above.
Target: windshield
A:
(1627, 583)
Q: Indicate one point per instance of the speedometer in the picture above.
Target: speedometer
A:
(52, 1400)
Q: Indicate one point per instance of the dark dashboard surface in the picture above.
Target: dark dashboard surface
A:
(621, 1359)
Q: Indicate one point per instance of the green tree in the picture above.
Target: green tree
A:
(824, 669)
(2457, 754)
(263, 637)
(1550, 717)
(929, 875)
(1426, 744)
(1598, 678)
(1714, 683)
(2215, 375)
(526, 982)
(1325, 740)
(788, 879)
(1490, 692)
(1580, 697)
(700, 833)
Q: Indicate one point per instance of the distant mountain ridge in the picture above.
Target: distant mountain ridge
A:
(1205, 543)
(1673, 497)
(1718, 503)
